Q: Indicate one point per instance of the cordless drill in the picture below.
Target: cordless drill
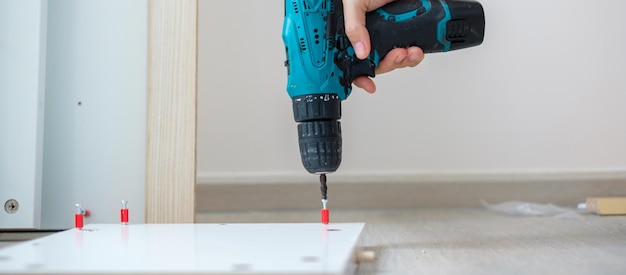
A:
(321, 62)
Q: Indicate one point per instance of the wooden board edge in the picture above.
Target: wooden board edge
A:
(172, 111)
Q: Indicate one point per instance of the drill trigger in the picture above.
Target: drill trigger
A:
(356, 68)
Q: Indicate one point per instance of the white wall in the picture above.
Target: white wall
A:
(545, 93)
(95, 121)
(22, 79)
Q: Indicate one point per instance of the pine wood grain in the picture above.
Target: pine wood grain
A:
(607, 205)
(171, 127)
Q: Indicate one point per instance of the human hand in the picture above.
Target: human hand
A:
(354, 19)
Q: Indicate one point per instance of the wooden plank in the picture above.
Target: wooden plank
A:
(171, 127)
(607, 205)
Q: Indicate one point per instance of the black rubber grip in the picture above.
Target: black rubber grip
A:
(441, 26)
(430, 29)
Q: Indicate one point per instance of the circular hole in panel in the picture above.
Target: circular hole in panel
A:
(11, 206)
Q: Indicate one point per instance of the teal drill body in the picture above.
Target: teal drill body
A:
(321, 63)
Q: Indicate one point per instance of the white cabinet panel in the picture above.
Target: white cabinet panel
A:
(22, 76)
(95, 128)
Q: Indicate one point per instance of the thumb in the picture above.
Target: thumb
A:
(354, 22)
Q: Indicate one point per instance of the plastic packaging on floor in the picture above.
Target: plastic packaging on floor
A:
(521, 208)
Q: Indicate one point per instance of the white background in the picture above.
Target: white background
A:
(545, 93)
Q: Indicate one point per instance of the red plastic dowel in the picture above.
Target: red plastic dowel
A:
(78, 221)
(124, 215)
(325, 216)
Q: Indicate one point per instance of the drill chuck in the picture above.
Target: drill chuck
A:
(319, 131)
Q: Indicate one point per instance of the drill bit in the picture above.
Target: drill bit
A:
(323, 186)
(325, 213)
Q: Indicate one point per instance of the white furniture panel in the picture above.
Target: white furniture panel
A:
(22, 82)
(95, 141)
(189, 249)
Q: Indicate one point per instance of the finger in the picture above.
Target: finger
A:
(365, 83)
(354, 21)
(392, 60)
(416, 55)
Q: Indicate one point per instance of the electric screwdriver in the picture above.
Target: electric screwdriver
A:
(321, 63)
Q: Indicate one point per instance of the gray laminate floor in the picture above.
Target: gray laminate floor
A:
(474, 241)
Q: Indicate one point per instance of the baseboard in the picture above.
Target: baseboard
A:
(272, 192)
